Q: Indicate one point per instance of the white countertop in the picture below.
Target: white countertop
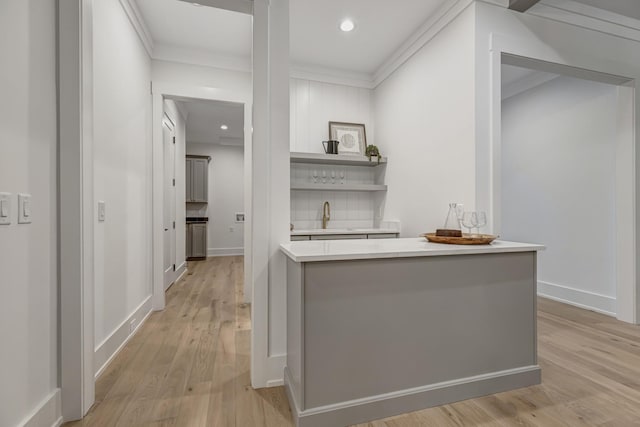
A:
(320, 231)
(340, 250)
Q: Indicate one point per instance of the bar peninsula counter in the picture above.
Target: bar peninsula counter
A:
(377, 328)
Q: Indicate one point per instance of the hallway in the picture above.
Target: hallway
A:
(189, 364)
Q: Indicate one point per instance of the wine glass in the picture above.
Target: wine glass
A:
(459, 213)
(342, 177)
(481, 220)
(315, 175)
(324, 176)
(470, 220)
(333, 177)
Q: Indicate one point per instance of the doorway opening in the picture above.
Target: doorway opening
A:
(565, 180)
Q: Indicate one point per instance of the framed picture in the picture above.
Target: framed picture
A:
(352, 137)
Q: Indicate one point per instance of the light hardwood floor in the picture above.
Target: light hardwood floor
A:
(189, 366)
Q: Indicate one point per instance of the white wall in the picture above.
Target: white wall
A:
(226, 197)
(199, 76)
(558, 185)
(315, 104)
(526, 35)
(179, 121)
(122, 176)
(28, 307)
(424, 116)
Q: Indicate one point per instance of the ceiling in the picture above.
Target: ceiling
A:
(630, 8)
(316, 40)
(215, 31)
(204, 119)
(381, 27)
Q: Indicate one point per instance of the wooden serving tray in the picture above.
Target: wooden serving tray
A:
(466, 239)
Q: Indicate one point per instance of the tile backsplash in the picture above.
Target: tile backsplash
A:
(349, 209)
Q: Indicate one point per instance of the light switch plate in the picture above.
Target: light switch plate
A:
(101, 211)
(24, 208)
(5, 208)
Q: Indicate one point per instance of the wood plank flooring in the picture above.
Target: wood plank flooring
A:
(189, 366)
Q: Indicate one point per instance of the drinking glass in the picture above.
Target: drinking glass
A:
(470, 220)
(481, 220)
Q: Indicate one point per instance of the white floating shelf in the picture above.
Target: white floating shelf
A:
(334, 159)
(339, 187)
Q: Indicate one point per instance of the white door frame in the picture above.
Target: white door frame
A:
(160, 92)
(75, 109)
(169, 275)
(627, 288)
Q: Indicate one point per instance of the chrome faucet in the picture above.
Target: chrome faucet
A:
(326, 214)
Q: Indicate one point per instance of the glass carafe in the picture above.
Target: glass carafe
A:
(452, 223)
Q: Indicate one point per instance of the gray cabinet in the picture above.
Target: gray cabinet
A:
(338, 236)
(301, 237)
(196, 240)
(197, 177)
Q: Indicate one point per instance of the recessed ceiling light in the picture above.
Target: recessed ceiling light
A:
(347, 25)
(224, 127)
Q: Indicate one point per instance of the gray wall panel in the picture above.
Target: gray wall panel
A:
(378, 326)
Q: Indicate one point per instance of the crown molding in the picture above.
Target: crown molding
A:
(331, 75)
(164, 52)
(132, 11)
(242, 6)
(588, 17)
(427, 31)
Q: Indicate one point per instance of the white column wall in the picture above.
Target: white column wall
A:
(28, 159)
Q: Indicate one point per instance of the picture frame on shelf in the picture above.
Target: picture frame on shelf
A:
(352, 137)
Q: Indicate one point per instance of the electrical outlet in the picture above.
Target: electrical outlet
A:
(132, 325)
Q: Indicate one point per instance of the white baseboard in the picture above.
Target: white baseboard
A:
(181, 270)
(48, 413)
(579, 298)
(111, 346)
(225, 251)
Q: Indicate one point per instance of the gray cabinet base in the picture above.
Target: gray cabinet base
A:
(403, 401)
(369, 339)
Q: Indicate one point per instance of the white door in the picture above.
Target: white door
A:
(168, 141)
